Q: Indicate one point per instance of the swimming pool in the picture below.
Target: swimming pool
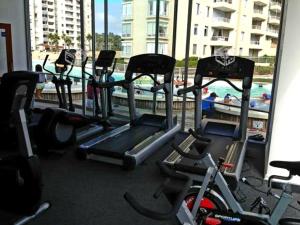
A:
(221, 88)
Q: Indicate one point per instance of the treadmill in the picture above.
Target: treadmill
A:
(131, 144)
(220, 138)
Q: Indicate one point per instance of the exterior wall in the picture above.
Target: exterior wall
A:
(12, 12)
(258, 20)
(57, 16)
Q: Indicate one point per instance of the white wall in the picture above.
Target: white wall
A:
(285, 139)
(12, 11)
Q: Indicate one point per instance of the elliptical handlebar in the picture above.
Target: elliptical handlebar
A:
(113, 68)
(44, 65)
(186, 90)
(157, 87)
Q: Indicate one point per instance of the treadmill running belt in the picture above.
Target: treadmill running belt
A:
(117, 145)
(217, 149)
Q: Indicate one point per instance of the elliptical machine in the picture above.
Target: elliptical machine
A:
(61, 127)
(20, 173)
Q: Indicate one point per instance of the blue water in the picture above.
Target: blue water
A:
(221, 88)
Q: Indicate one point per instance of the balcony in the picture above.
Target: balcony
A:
(256, 29)
(261, 2)
(272, 33)
(222, 23)
(220, 41)
(126, 17)
(255, 44)
(275, 6)
(224, 5)
(258, 14)
(275, 20)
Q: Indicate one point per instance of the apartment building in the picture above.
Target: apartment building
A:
(57, 16)
(241, 27)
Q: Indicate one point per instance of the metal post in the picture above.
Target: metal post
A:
(82, 33)
(27, 31)
(106, 24)
(93, 35)
(186, 66)
(156, 50)
(174, 37)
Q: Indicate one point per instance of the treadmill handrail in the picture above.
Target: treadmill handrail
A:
(189, 155)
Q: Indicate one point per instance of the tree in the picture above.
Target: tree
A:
(68, 41)
(89, 37)
(54, 39)
(114, 41)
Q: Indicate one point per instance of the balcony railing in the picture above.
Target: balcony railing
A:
(221, 19)
(272, 31)
(219, 38)
(225, 1)
(275, 4)
(274, 18)
(255, 42)
(256, 27)
(126, 17)
(258, 11)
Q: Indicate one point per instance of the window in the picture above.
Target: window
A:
(127, 10)
(198, 8)
(241, 51)
(163, 29)
(163, 8)
(205, 31)
(152, 7)
(151, 29)
(207, 11)
(204, 50)
(194, 49)
(150, 47)
(126, 30)
(195, 29)
(162, 48)
(242, 35)
(126, 49)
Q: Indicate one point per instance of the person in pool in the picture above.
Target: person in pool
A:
(208, 105)
(227, 99)
(266, 98)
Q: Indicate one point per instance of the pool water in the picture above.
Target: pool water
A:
(221, 88)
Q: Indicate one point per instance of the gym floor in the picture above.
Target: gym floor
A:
(91, 193)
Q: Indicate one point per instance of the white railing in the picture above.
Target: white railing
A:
(256, 27)
(221, 19)
(272, 31)
(274, 18)
(219, 38)
(225, 1)
(275, 4)
(258, 11)
(255, 42)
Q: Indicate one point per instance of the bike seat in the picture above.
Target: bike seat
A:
(289, 221)
(293, 167)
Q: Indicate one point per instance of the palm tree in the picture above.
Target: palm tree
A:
(54, 38)
(89, 37)
(64, 37)
(68, 41)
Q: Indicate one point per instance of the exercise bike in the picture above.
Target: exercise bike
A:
(213, 203)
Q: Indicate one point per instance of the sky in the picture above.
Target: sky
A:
(114, 16)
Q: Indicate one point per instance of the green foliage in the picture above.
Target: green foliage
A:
(114, 42)
(54, 39)
(263, 70)
(192, 62)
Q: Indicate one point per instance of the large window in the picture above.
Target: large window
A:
(163, 29)
(151, 29)
(127, 10)
(126, 49)
(126, 30)
(163, 11)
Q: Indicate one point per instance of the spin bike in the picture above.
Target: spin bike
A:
(213, 202)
